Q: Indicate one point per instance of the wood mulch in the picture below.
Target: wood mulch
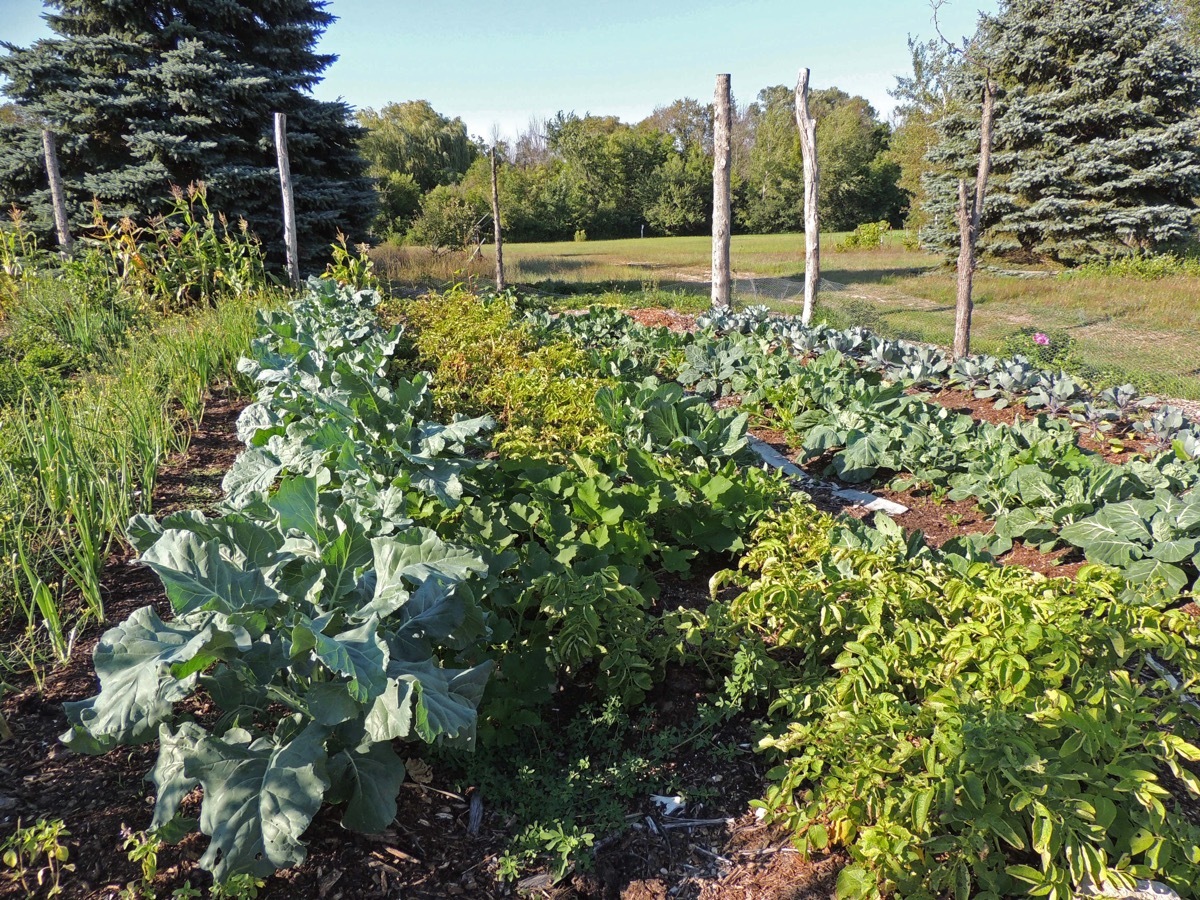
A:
(680, 323)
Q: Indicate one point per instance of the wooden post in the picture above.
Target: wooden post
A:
(289, 203)
(500, 284)
(970, 213)
(966, 273)
(812, 179)
(722, 151)
(56, 193)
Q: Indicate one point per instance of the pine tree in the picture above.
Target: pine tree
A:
(1095, 151)
(150, 95)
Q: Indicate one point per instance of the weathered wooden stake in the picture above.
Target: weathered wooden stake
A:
(500, 283)
(966, 273)
(970, 212)
(289, 203)
(812, 178)
(722, 150)
(57, 196)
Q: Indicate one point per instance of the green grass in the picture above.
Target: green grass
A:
(1128, 328)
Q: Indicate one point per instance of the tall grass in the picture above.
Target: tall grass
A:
(105, 358)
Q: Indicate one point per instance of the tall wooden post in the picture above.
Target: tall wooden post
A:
(500, 283)
(57, 196)
(970, 212)
(812, 179)
(289, 203)
(722, 151)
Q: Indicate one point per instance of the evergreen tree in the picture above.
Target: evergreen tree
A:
(1095, 151)
(149, 95)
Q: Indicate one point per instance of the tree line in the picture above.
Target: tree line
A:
(1095, 139)
(594, 175)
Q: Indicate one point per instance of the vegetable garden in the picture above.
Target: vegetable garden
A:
(539, 555)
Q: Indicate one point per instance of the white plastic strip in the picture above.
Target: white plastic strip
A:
(777, 460)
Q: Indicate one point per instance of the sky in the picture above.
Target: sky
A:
(501, 63)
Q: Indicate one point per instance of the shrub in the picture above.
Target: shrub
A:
(448, 220)
(1045, 349)
(1145, 266)
(868, 236)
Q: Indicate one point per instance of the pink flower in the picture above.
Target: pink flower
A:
(1042, 339)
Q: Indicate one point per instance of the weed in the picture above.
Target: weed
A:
(36, 854)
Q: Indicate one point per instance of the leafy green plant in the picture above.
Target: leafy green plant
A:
(867, 236)
(961, 728)
(142, 849)
(37, 855)
(238, 887)
(315, 617)
(351, 269)
(1148, 539)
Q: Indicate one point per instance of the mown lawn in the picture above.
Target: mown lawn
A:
(1130, 328)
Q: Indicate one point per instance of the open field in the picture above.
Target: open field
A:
(1137, 329)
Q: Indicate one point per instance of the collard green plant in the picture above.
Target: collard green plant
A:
(317, 597)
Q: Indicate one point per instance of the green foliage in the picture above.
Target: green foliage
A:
(354, 270)
(922, 100)
(483, 362)
(1147, 267)
(1095, 152)
(143, 101)
(465, 343)
(411, 149)
(961, 728)
(315, 616)
(449, 220)
(580, 779)
(868, 236)
(36, 855)
(858, 183)
(1054, 349)
(142, 849)
(74, 467)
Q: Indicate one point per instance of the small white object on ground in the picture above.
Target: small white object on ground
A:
(775, 459)
(671, 806)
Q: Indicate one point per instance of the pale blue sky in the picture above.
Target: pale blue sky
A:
(620, 57)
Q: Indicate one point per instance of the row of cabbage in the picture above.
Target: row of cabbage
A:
(1032, 478)
(1005, 381)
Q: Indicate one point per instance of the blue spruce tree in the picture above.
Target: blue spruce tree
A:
(1095, 152)
(148, 95)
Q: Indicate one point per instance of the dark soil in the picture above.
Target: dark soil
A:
(715, 849)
